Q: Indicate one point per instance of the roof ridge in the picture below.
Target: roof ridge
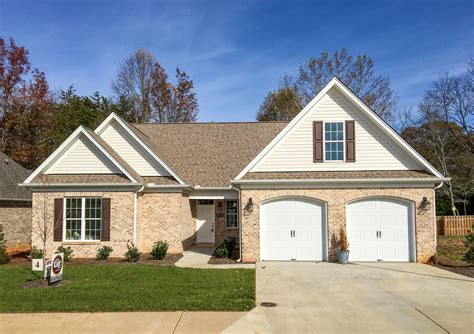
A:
(202, 123)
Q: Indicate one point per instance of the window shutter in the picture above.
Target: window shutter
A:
(318, 141)
(58, 219)
(350, 141)
(105, 225)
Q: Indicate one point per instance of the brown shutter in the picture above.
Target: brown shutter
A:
(58, 219)
(350, 141)
(105, 226)
(318, 141)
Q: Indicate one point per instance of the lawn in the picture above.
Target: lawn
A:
(129, 287)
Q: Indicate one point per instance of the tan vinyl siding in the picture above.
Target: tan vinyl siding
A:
(83, 157)
(131, 151)
(374, 150)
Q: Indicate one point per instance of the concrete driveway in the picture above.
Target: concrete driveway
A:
(363, 298)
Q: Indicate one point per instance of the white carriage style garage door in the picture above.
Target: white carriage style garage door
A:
(292, 229)
(381, 229)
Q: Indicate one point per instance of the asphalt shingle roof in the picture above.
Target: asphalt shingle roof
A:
(11, 174)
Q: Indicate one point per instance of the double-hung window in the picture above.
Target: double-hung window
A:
(83, 218)
(334, 141)
(231, 214)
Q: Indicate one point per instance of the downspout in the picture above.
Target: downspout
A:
(240, 224)
(135, 214)
(435, 222)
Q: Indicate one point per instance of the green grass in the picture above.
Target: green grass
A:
(130, 287)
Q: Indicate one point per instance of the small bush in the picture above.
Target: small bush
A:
(4, 257)
(226, 248)
(36, 253)
(104, 252)
(68, 252)
(132, 254)
(159, 250)
(469, 256)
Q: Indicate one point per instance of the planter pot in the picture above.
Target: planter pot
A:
(343, 257)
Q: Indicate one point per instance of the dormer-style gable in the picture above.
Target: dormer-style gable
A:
(336, 131)
(83, 153)
(119, 135)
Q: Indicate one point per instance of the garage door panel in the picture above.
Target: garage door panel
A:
(304, 217)
(379, 229)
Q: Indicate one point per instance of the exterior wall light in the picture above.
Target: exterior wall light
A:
(425, 204)
(219, 207)
(250, 205)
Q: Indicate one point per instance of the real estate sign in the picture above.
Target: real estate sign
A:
(54, 268)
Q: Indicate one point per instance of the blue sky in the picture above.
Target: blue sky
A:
(236, 51)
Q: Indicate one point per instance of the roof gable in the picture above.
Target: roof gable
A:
(82, 153)
(291, 150)
(132, 148)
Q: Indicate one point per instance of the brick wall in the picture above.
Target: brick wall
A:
(16, 223)
(121, 218)
(336, 200)
(222, 231)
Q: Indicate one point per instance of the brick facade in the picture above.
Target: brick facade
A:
(336, 200)
(15, 220)
(222, 231)
(121, 218)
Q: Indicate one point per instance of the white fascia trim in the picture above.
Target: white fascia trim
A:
(349, 94)
(341, 181)
(79, 185)
(114, 116)
(65, 145)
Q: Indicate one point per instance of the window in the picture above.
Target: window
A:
(334, 141)
(231, 214)
(83, 218)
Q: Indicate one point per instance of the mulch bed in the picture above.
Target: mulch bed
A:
(169, 260)
(41, 284)
(224, 260)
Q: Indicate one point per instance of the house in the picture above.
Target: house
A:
(283, 190)
(15, 205)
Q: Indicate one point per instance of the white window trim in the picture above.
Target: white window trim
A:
(236, 214)
(83, 221)
(343, 142)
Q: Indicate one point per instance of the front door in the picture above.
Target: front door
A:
(205, 216)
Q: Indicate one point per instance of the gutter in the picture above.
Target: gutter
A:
(339, 181)
(85, 185)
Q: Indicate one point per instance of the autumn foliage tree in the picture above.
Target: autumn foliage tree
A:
(142, 84)
(357, 72)
(25, 104)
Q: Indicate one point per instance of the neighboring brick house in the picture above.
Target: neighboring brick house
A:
(15, 205)
(283, 190)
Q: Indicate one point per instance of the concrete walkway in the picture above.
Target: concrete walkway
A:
(198, 256)
(359, 298)
(116, 323)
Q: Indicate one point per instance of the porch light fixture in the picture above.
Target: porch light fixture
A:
(219, 207)
(425, 204)
(250, 205)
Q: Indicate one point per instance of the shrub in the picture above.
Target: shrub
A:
(4, 257)
(104, 252)
(226, 248)
(342, 241)
(36, 253)
(159, 250)
(68, 252)
(132, 254)
(469, 256)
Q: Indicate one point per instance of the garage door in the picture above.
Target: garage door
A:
(380, 229)
(292, 229)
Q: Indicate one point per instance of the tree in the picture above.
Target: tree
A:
(357, 73)
(25, 105)
(142, 85)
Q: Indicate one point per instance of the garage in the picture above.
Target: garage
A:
(293, 229)
(381, 229)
